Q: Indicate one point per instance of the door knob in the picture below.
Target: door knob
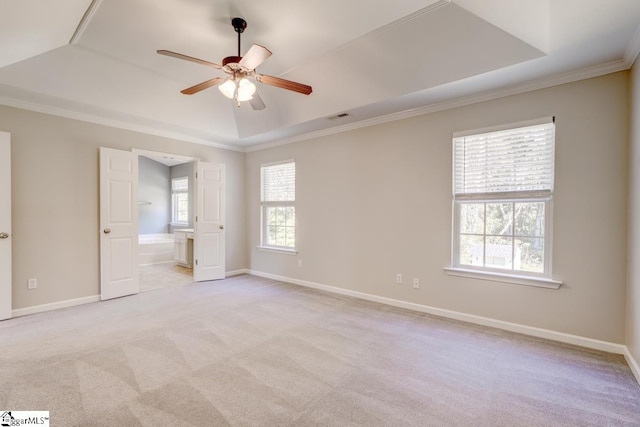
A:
(222, 227)
(107, 230)
(4, 235)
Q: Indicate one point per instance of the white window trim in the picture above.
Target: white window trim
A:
(507, 276)
(541, 282)
(524, 123)
(277, 249)
(263, 237)
(173, 203)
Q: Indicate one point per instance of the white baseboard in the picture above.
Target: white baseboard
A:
(633, 364)
(54, 306)
(85, 300)
(236, 272)
(479, 320)
(485, 321)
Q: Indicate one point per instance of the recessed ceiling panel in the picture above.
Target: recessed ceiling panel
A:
(295, 31)
(32, 27)
(427, 49)
(362, 57)
(530, 21)
(80, 75)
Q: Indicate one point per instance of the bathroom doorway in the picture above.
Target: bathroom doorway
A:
(166, 193)
(119, 207)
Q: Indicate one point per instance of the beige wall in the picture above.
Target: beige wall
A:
(633, 260)
(55, 201)
(376, 201)
(371, 203)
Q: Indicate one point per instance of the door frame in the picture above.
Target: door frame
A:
(158, 156)
(6, 282)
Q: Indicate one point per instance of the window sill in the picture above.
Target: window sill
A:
(277, 250)
(541, 282)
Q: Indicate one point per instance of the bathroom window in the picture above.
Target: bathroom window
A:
(180, 200)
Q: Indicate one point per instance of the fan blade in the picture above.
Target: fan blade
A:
(255, 56)
(284, 84)
(256, 102)
(202, 86)
(188, 58)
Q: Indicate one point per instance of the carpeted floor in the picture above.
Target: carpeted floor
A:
(248, 351)
(163, 275)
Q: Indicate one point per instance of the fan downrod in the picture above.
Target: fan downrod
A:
(239, 25)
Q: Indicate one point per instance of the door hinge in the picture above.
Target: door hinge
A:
(196, 175)
(196, 262)
(196, 218)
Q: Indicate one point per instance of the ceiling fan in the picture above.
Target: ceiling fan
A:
(240, 70)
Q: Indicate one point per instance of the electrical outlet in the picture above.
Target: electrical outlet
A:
(32, 284)
(416, 283)
(399, 279)
(299, 263)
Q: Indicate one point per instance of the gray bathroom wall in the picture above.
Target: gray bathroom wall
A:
(154, 195)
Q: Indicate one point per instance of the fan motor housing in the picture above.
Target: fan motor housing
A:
(231, 60)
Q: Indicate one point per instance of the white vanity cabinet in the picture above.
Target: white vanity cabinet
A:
(183, 247)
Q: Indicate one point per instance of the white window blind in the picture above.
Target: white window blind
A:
(180, 184)
(278, 210)
(505, 161)
(279, 183)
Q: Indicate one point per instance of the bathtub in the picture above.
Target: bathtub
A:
(155, 248)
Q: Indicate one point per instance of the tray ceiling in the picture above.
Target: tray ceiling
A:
(370, 62)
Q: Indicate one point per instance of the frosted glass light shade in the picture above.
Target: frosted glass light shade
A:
(228, 88)
(246, 89)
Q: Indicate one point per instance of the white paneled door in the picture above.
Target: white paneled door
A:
(209, 242)
(118, 223)
(5, 225)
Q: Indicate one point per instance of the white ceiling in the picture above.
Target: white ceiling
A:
(374, 62)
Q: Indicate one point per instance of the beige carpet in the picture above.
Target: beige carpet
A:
(163, 275)
(248, 351)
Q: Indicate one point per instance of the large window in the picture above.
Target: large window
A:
(503, 187)
(278, 210)
(180, 200)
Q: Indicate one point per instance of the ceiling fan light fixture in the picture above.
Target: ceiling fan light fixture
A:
(246, 89)
(237, 87)
(239, 90)
(228, 88)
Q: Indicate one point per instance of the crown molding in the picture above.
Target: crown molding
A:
(568, 77)
(114, 123)
(402, 21)
(84, 21)
(633, 48)
(564, 78)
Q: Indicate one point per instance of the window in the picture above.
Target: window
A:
(180, 200)
(278, 210)
(503, 187)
